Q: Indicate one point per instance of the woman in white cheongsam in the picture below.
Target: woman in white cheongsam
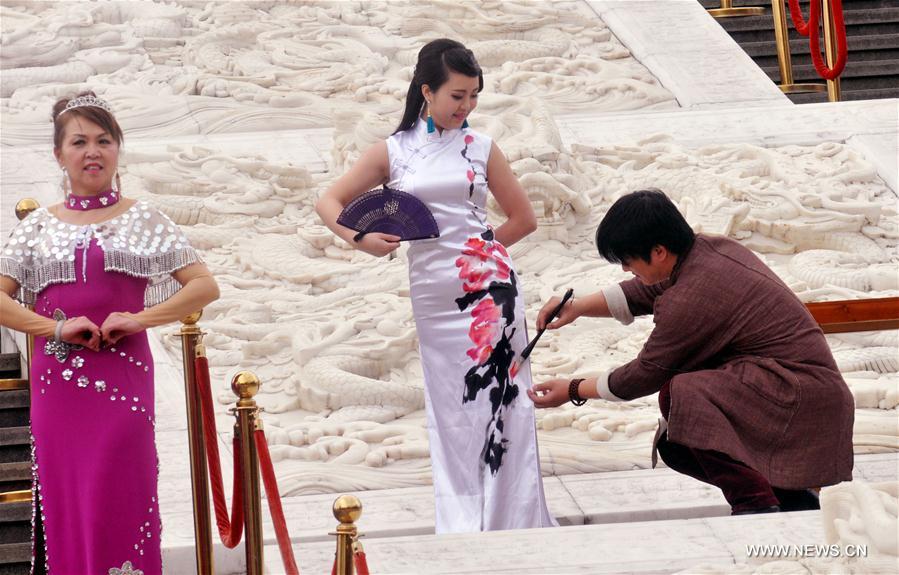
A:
(466, 297)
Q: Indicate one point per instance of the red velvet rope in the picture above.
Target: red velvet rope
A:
(360, 561)
(274, 503)
(810, 29)
(230, 532)
(796, 14)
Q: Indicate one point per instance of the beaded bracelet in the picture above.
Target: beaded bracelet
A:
(56, 346)
(573, 395)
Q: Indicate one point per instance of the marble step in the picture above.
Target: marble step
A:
(847, 4)
(881, 15)
(10, 366)
(859, 30)
(15, 522)
(585, 499)
(15, 444)
(637, 548)
(865, 74)
(15, 475)
(592, 498)
(14, 407)
(12, 512)
(845, 95)
(864, 48)
(15, 557)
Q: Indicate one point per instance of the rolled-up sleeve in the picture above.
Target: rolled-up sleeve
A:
(617, 304)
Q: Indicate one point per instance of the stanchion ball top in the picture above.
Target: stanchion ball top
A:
(245, 384)
(347, 509)
(25, 206)
(192, 319)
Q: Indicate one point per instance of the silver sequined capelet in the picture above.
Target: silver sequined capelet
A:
(142, 242)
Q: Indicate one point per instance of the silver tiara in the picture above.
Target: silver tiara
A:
(83, 101)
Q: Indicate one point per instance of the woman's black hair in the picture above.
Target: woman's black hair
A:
(435, 61)
(639, 221)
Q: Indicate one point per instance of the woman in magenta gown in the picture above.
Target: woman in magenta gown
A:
(98, 269)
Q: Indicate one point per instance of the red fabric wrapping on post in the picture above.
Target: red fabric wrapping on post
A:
(274, 503)
(842, 51)
(229, 532)
(796, 14)
(359, 560)
(810, 29)
(361, 563)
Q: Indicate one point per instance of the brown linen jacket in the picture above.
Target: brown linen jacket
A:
(751, 373)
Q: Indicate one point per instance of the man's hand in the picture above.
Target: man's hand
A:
(567, 315)
(552, 393)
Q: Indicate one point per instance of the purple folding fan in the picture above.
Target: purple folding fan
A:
(389, 211)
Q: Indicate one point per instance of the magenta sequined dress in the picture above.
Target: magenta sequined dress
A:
(92, 418)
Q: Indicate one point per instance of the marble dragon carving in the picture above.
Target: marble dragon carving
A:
(329, 329)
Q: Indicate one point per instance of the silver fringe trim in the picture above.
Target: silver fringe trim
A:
(158, 293)
(160, 288)
(149, 266)
(32, 280)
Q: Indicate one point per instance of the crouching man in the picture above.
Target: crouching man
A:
(752, 400)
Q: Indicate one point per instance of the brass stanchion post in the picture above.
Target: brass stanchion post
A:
(830, 51)
(190, 336)
(246, 385)
(784, 61)
(347, 509)
(727, 10)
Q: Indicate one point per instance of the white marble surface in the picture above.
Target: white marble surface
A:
(639, 548)
(881, 148)
(296, 303)
(223, 131)
(775, 126)
(871, 127)
(601, 498)
(690, 53)
(644, 495)
(390, 513)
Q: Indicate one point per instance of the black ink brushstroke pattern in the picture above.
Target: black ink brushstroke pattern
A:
(494, 372)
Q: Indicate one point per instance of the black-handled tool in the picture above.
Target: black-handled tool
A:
(527, 351)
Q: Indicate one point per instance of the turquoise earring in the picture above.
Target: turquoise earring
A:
(431, 127)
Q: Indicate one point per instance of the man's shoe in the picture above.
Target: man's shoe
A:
(772, 509)
(797, 499)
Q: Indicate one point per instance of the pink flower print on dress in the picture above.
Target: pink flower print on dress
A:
(490, 289)
(470, 175)
(484, 330)
(482, 262)
(469, 139)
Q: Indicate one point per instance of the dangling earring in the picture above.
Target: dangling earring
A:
(65, 182)
(116, 182)
(431, 127)
(464, 123)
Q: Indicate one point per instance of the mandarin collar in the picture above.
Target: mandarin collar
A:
(421, 128)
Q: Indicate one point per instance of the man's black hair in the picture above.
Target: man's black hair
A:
(639, 221)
